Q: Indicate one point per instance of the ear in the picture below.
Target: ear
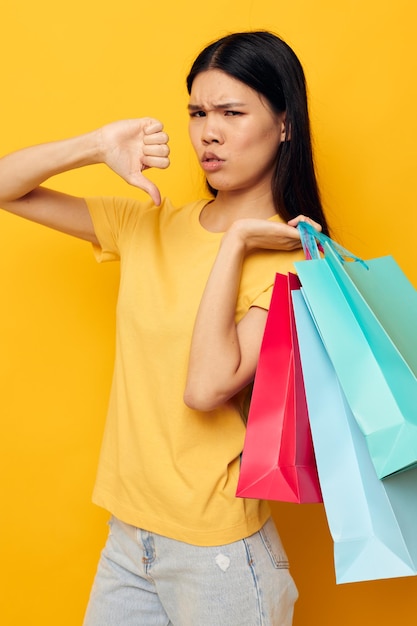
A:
(285, 129)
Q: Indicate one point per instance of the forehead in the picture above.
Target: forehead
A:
(214, 87)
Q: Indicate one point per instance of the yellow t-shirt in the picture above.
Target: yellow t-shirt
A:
(164, 467)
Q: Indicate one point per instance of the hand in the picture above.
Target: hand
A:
(303, 218)
(129, 147)
(264, 234)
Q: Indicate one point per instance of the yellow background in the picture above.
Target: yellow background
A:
(68, 67)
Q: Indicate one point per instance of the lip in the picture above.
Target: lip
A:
(210, 162)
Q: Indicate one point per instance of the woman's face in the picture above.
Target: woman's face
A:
(234, 132)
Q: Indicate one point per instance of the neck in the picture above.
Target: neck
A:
(228, 207)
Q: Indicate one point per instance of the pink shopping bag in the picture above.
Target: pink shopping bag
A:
(278, 460)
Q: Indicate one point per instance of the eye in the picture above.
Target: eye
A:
(232, 113)
(197, 114)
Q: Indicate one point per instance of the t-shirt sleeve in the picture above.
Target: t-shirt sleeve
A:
(114, 219)
(263, 300)
(282, 263)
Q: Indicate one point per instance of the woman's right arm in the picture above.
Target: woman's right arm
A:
(128, 147)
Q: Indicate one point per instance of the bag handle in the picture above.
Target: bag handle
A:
(315, 243)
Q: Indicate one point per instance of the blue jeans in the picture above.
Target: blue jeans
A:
(144, 579)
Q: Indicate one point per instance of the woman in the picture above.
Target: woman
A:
(194, 292)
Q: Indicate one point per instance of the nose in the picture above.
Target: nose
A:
(211, 132)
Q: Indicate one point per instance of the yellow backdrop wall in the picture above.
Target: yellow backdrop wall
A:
(69, 67)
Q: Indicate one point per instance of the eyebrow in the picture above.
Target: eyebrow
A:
(223, 105)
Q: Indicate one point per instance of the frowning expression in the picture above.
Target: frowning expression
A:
(234, 132)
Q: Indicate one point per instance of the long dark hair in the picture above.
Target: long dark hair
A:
(269, 66)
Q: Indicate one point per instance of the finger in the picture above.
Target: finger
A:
(304, 218)
(158, 150)
(152, 126)
(156, 138)
(154, 193)
(148, 186)
(156, 161)
(296, 220)
(286, 230)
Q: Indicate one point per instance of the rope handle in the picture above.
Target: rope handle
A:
(315, 243)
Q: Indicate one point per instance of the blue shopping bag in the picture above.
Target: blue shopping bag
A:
(366, 313)
(373, 522)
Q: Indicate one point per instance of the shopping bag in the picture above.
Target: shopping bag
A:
(373, 522)
(278, 461)
(366, 314)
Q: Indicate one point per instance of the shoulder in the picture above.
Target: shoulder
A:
(124, 216)
(121, 204)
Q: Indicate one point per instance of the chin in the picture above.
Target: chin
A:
(217, 185)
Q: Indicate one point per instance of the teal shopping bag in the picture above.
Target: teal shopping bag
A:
(365, 313)
(373, 522)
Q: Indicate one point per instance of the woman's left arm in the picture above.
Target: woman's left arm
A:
(224, 355)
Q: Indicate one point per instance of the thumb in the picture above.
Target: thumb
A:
(150, 188)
